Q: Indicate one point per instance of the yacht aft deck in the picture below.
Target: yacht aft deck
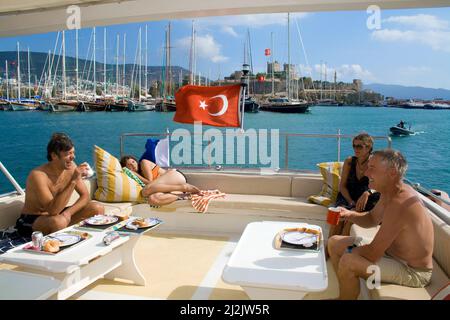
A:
(185, 257)
(182, 264)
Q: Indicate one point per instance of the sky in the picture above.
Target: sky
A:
(407, 47)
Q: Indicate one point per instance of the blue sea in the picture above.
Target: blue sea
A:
(24, 137)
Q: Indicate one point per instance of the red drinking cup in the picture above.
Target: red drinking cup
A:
(333, 215)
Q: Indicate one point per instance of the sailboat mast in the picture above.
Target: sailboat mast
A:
(194, 54)
(288, 76)
(48, 74)
(191, 57)
(64, 64)
(104, 62)
(95, 71)
(76, 61)
(325, 80)
(168, 61)
(146, 59)
(117, 64)
(140, 63)
(124, 45)
(29, 75)
(18, 73)
(271, 54)
(7, 80)
(321, 84)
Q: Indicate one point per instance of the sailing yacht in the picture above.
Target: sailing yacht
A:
(65, 104)
(143, 103)
(20, 104)
(286, 104)
(167, 104)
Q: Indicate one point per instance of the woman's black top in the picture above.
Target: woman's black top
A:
(356, 187)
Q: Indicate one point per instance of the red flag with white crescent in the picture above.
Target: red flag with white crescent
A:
(214, 106)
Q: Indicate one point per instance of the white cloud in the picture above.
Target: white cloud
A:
(250, 20)
(421, 29)
(207, 47)
(420, 21)
(344, 72)
(435, 39)
(229, 30)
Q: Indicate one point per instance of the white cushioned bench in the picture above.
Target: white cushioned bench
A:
(280, 195)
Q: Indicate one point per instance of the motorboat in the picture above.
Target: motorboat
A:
(399, 131)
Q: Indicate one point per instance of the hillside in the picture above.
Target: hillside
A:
(38, 59)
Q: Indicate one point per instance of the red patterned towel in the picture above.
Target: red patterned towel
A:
(201, 201)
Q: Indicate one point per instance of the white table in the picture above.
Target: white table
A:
(17, 286)
(82, 264)
(268, 273)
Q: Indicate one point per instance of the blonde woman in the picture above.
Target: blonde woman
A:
(354, 188)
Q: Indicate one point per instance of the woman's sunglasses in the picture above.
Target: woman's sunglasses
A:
(358, 146)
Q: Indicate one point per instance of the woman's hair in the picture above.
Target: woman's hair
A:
(366, 139)
(59, 142)
(124, 159)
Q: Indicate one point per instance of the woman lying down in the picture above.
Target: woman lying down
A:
(160, 186)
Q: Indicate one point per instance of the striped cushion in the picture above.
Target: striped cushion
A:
(331, 173)
(113, 185)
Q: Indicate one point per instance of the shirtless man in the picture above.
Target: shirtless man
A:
(49, 188)
(402, 247)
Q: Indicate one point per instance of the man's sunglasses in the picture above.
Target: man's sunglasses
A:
(358, 146)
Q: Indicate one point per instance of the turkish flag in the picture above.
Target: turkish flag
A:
(214, 106)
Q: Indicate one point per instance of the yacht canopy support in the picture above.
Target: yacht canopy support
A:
(40, 16)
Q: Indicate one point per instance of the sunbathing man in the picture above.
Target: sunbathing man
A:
(161, 186)
(49, 188)
(403, 246)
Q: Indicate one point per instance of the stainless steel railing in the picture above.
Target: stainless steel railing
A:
(426, 192)
(285, 138)
(11, 179)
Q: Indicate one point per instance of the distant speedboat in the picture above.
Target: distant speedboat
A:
(399, 131)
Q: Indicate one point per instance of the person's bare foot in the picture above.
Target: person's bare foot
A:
(191, 189)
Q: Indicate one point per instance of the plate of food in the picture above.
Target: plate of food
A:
(66, 239)
(101, 220)
(302, 238)
(142, 223)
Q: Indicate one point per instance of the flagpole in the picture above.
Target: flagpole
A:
(242, 108)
